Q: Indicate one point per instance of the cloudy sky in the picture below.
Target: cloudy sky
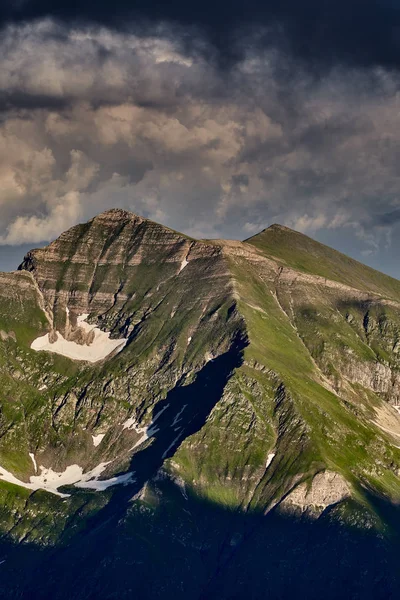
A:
(216, 121)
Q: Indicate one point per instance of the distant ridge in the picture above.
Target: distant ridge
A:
(298, 251)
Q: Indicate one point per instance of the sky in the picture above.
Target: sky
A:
(215, 118)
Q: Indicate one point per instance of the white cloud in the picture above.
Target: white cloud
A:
(36, 229)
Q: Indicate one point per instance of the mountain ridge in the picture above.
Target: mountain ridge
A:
(245, 388)
(300, 251)
(257, 241)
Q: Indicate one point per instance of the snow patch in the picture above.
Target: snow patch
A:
(50, 480)
(184, 263)
(101, 485)
(208, 357)
(99, 349)
(145, 432)
(97, 439)
(189, 339)
(270, 458)
(33, 460)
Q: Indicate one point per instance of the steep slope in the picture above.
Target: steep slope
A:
(253, 399)
(295, 250)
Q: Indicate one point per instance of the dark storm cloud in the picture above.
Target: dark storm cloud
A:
(388, 219)
(352, 32)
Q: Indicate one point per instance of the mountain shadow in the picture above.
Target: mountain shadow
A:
(180, 546)
(183, 412)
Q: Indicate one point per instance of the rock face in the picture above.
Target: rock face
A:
(248, 384)
(101, 266)
(326, 489)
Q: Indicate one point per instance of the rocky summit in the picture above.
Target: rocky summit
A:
(197, 419)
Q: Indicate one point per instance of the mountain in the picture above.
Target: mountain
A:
(197, 419)
(294, 249)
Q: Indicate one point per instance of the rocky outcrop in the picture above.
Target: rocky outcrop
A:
(17, 284)
(326, 489)
(20, 295)
(375, 376)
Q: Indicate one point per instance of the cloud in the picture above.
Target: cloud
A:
(92, 118)
(389, 218)
(36, 229)
(355, 33)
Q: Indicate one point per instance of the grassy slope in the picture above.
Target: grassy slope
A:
(302, 253)
(337, 436)
(278, 402)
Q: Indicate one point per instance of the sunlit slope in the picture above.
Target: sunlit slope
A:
(298, 251)
(283, 418)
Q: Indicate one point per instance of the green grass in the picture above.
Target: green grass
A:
(300, 252)
(342, 440)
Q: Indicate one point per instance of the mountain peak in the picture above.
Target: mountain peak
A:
(114, 216)
(274, 227)
(117, 214)
(300, 252)
(279, 227)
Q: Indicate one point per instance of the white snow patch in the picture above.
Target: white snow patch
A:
(147, 431)
(270, 458)
(50, 480)
(184, 263)
(99, 349)
(97, 439)
(178, 416)
(130, 423)
(92, 483)
(33, 460)
(43, 387)
(145, 436)
(10, 478)
(208, 357)
(189, 339)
